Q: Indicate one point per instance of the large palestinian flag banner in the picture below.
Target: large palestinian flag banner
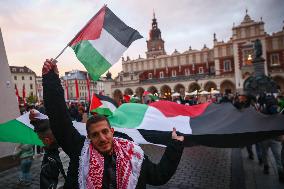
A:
(216, 125)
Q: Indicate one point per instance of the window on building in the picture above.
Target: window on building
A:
(150, 76)
(174, 73)
(161, 74)
(121, 78)
(32, 94)
(21, 70)
(31, 86)
(15, 77)
(200, 70)
(31, 78)
(247, 56)
(212, 70)
(14, 69)
(187, 72)
(227, 66)
(23, 77)
(274, 59)
(131, 77)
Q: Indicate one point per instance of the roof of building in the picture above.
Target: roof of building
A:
(19, 69)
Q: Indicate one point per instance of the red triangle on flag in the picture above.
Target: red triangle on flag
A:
(95, 103)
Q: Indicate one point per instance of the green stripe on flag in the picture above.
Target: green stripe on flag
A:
(93, 61)
(102, 111)
(16, 132)
(129, 114)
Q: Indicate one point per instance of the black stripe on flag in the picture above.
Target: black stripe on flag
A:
(119, 30)
(106, 98)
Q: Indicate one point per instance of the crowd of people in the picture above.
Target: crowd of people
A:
(102, 145)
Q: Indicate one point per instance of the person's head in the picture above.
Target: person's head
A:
(100, 133)
(42, 129)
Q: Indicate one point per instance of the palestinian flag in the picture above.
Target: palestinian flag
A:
(103, 105)
(20, 131)
(216, 125)
(102, 41)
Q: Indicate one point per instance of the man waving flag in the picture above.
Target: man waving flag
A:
(102, 41)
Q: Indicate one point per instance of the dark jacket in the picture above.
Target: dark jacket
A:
(72, 142)
(51, 167)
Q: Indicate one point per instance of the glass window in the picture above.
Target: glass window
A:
(212, 69)
(31, 86)
(247, 56)
(161, 74)
(187, 72)
(23, 77)
(274, 58)
(31, 78)
(150, 75)
(200, 70)
(131, 77)
(15, 77)
(227, 66)
(174, 73)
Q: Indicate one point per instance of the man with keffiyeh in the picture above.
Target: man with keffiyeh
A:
(101, 160)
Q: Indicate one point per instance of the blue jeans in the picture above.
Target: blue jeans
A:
(25, 169)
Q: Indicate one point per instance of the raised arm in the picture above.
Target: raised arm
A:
(60, 122)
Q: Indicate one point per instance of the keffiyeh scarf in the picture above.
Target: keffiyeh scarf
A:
(129, 159)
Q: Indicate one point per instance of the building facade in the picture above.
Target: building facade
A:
(83, 80)
(39, 88)
(24, 78)
(224, 67)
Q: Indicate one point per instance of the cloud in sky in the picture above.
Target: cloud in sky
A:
(36, 30)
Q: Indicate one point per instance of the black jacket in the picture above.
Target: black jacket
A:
(72, 142)
(51, 167)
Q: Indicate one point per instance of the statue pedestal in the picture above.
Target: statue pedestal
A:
(258, 65)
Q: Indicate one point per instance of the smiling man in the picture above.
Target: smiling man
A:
(102, 160)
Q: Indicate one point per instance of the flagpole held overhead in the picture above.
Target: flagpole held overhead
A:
(68, 44)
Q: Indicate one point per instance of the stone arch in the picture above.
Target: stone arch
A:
(279, 80)
(193, 86)
(128, 91)
(139, 92)
(227, 87)
(166, 92)
(179, 88)
(152, 89)
(117, 95)
(209, 85)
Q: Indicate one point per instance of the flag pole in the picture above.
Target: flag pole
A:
(78, 34)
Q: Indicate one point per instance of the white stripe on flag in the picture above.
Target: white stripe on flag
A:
(106, 104)
(155, 120)
(108, 47)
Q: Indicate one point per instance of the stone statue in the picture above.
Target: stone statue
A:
(257, 49)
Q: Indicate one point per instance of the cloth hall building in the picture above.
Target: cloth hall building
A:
(224, 67)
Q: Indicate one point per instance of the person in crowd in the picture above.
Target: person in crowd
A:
(51, 165)
(270, 107)
(103, 161)
(281, 104)
(41, 107)
(25, 153)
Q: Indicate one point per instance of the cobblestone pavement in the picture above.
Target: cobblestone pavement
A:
(200, 168)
